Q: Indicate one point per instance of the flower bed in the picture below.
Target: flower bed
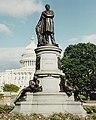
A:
(6, 115)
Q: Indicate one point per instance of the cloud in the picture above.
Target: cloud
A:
(20, 8)
(90, 38)
(83, 39)
(9, 60)
(73, 40)
(8, 53)
(4, 28)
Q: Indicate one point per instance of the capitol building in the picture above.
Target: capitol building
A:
(21, 77)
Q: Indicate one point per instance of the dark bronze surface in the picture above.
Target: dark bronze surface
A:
(45, 27)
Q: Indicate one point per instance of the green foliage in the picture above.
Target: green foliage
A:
(79, 65)
(90, 109)
(62, 116)
(55, 116)
(5, 115)
(83, 97)
(5, 109)
(91, 117)
(1, 95)
(35, 116)
(10, 88)
(93, 109)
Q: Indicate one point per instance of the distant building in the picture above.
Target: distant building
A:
(21, 77)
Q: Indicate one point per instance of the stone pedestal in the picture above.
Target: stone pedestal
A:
(48, 103)
(50, 100)
(47, 67)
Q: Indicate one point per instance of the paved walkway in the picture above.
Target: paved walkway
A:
(90, 103)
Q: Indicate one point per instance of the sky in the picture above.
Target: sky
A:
(75, 22)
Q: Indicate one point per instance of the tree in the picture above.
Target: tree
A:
(79, 65)
(10, 88)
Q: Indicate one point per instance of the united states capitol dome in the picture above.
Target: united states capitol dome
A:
(28, 59)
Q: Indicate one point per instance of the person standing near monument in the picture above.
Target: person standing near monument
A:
(45, 27)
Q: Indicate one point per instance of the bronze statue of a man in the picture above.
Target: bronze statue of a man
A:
(45, 27)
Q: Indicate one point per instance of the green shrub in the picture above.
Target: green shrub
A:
(10, 88)
(35, 116)
(1, 95)
(57, 116)
(5, 115)
(88, 109)
(94, 109)
(83, 97)
(5, 109)
(90, 117)
(64, 116)
(93, 116)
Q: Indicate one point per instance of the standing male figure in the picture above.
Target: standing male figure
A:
(45, 26)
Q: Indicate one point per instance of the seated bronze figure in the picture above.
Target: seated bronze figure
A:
(65, 86)
(33, 87)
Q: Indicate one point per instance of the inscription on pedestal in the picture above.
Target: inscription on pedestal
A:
(49, 62)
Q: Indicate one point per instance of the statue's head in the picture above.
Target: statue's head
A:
(47, 7)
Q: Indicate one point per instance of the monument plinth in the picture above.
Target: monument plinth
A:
(47, 67)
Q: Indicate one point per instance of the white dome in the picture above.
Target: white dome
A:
(29, 57)
(32, 45)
